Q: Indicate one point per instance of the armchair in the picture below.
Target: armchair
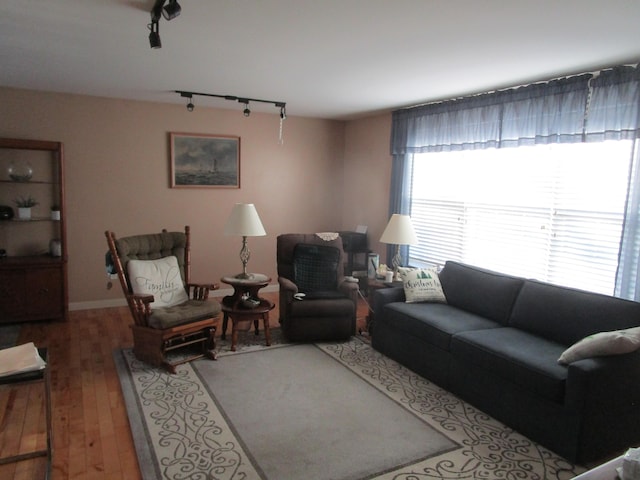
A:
(169, 311)
(308, 264)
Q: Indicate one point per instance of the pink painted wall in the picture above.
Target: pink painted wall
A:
(328, 175)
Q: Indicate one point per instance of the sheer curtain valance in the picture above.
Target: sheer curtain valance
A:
(583, 108)
(576, 109)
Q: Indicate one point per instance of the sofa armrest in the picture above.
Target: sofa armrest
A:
(382, 296)
(610, 383)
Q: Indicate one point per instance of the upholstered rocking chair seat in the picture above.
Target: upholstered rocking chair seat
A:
(187, 312)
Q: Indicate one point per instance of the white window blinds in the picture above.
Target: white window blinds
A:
(550, 212)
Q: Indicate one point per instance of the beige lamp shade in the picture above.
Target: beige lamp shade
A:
(244, 221)
(399, 231)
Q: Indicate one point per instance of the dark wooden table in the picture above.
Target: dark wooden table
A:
(26, 378)
(234, 307)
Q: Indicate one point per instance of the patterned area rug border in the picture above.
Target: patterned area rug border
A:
(489, 450)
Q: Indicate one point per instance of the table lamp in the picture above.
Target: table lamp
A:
(399, 231)
(244, 221)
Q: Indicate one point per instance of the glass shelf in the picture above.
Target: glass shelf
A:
(27, 220)
(33, 182)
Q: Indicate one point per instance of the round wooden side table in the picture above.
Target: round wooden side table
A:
(234, 306)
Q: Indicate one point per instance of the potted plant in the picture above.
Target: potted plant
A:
(55, 212)
(24, 205)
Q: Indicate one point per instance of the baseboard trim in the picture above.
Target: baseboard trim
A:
(121, 302)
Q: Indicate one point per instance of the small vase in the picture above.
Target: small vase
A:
(55, 248)
(24, 213)
(55, 214)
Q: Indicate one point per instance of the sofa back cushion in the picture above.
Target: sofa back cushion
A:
(483, 292)
(566, 315)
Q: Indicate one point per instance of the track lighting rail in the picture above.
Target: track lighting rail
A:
(244, 100)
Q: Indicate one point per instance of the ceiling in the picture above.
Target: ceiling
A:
(333, 59)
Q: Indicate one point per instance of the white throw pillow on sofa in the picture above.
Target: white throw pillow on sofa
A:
(616, 342)
(421, 285)
(160, 278)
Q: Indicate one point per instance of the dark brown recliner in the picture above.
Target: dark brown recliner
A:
(315, 267)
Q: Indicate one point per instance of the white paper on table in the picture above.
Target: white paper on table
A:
(20, 359)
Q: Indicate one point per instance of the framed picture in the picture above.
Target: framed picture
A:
(204, 161)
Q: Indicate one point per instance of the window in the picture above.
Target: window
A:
(551, 212)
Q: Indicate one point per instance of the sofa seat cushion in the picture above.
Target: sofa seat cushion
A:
(528, 361)
(187, 312)
(434, 323)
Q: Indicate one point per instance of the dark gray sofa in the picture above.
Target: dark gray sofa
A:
(496, 344)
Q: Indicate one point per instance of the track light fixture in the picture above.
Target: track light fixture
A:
(169, 12)
(246, 112)
(245, 100)
(190, 105)
(172, 10)
(154, 35)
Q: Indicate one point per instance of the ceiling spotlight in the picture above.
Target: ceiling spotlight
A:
(171, 10)
(283, 112)
(246, 112)
(154, 35)
(189, 95)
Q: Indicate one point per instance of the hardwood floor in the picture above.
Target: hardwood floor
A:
(91, 435)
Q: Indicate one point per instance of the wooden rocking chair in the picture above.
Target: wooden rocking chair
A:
(180, 325)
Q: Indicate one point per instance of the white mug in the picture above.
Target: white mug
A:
(388, 276)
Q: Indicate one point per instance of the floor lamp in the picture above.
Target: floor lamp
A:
(245, 222)
(399, 232)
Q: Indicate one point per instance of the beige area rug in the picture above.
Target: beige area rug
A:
(240, 417)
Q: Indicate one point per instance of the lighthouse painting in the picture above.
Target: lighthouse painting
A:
(204, 160)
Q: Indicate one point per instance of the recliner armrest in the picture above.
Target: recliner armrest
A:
(287, 290)
(287, 285)
(350, 289)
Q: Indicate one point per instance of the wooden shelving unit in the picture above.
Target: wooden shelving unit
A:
(33, 268)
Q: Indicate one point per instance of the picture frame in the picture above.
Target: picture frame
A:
(204, 161)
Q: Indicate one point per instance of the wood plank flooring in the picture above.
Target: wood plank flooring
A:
(91, 439)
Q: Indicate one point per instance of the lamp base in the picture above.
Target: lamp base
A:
(396, 261)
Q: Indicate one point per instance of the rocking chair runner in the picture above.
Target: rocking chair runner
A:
(169, 311)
